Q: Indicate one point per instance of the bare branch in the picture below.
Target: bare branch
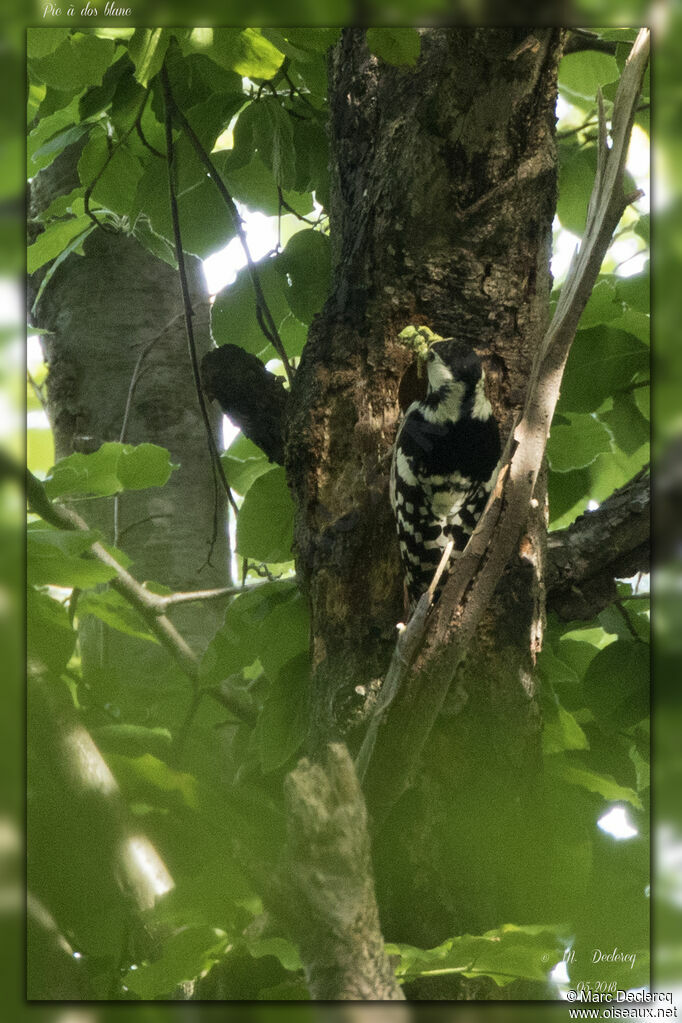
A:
(579, 40)
(611, 542)
(192, 596)
(475, 576)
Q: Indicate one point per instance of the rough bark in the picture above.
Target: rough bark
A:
(443, 198)
(253, 398)
(441, 212)
(328, 887)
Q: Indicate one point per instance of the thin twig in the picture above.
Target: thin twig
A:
(141, 135)
(129, 401)
(192, 596)
(37, 390)
(137, 373)
(267, 323)
(294, 90)
(112, 150)
(218, 471)
(290, 209)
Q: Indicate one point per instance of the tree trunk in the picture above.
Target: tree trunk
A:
(102, 313)
(444, 181)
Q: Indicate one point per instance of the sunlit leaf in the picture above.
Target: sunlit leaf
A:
(601, 784)
(506, 954)
(79, 61)
(575, 441)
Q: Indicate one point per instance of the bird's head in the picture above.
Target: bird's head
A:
(449, 362)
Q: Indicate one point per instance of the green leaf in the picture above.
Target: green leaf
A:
(554, 670)
(143, 465)
(628, 427)
(132, 740)
(506, 954)
(577, 169)
(264, 127)
(603, 785)
(205, 222)
(250, 181)
(642, 396)
(581, 75)
(41, 41)
(602, 360)
(635, 291)
(617, 684)
(99, 97)
(313, 39)
(642, 768)
(575, 441)
(634, 322)
(306, 263)
(570, 492)
(148, 777)
(577, 651)
(43, 155)
(285, 635)
(280, 948)
(265, 524)
(243, 463)
(50, 128)
(50, 638)
(312, 160)
(283, 722)
(147, 48)
(245, 51)
(235, 645)
(233, 314)
(603, 305)
(399, 46)
(55, 240)
(116, 174)
(115, 611)
(54, 558)
(562, 732)
(185, 955)
(157, 245)
(110, 469)
(77, 63)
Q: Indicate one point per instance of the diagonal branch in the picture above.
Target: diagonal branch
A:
(611, 542)
(150, 606)
(451, 627)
